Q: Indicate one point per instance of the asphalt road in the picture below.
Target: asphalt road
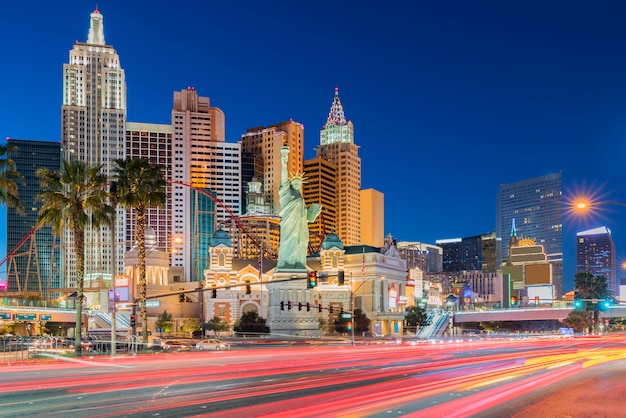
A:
(573, 377)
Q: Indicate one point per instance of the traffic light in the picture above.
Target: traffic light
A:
(341, 278)
(133, 320)
(289, 305)
(181, 298)
(299, 306)
(282, 305)
(330, 309)
(312, 279)
(319, 307)
(213, 293)
(349, 326)
(308, 307)
(513, 300)
(578, 304)
(536, 300)
(341, 311)
(248, 290)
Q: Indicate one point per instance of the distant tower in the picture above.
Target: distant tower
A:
(205, 161)
(337, 146)
(536, 205)
(595, 254)
(37, 270)
(93, 129)
(260, 149)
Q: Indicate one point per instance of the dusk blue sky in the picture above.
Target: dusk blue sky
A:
(449, 99)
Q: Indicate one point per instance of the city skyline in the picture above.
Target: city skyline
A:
(447, 101)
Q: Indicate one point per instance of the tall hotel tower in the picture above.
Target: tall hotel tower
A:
(93, 130)
(204, 161)
(337, 146)
(595, 254)
(260, 147)
(535, 206)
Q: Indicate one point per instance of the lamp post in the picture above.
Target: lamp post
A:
(113, 191)
(352, 301)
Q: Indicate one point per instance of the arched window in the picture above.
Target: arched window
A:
(221, 259)
(333, 262)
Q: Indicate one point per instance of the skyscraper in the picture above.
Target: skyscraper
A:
(535, 205)
(93, 129)
(204, 161)
(337, 146)
(37, 268)
(595, 254)
(320, 188)
(260, 148)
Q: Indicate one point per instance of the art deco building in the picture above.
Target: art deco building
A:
(34, 269)
(93, 130)
(536, 205)
(595, 254)
(337, 146)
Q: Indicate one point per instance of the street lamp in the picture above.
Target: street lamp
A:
(353, 297)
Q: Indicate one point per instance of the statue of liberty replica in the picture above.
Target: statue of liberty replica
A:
(291, 271)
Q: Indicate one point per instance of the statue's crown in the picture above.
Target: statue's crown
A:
(299, 176)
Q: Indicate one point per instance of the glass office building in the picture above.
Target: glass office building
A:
(35, 266)
(534, 205)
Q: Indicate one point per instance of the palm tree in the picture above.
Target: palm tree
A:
(75, 198)
(140, 185)
(9, 178)
(589, 288)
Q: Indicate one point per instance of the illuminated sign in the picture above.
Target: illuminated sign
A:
(25, 316)
(6, 315)
(122, 281)
(45, 317)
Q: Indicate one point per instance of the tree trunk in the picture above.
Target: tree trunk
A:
(79, 248)
(140, 211)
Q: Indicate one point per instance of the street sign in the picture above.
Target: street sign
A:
(153, 303)
(6, 316)
(346, 315)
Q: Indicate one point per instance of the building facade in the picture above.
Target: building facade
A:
(260, 149)
(337, 146)
(595, 254)
(93, 130)
(206, 169)
(37, 268)
(372, 217)
(320, 188)
(536, 205)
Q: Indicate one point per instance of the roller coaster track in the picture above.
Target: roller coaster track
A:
(17, 246)
(221, 204)
(230, 213)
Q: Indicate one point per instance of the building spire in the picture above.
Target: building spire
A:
(513, 229)
(336, 115)
(96, 29)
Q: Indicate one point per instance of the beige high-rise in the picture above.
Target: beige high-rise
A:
(337, 146)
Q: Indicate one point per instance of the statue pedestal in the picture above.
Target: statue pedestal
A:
(292, 322)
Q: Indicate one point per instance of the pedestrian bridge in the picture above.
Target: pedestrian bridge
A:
(529, 314)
